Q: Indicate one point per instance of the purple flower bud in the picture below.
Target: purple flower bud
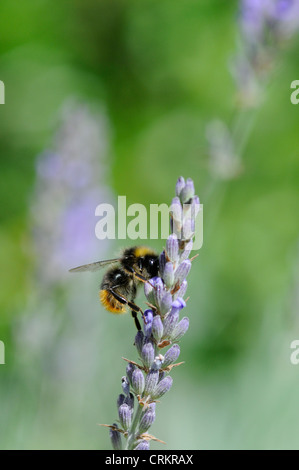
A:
(179, 303)
(171, 355)
(151, 406)
(125, 416)
(187, 192)
(182, 290)
(170, 322)
(187, 250)
(142, 445)
(115, 437)
(138, 381)
(176, 216)
(151, 381)
(158, 292)
(168, 275)
(129, 370)
(146, 421)
(162, 387)
(149, 292)
(157, 328)
(195, 207)
(129, 400)
(125, 385)
(166, 302)
(148, 354)
(172, 318)
(182, 271)
(188, 229)
(120, 400)
(161, 375)
(148, 320)
(139, 339)
(172, 247)
(180, 329)
(162, 262)
(179, 185)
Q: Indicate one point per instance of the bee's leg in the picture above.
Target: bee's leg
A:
(134, 308)
(137, 323)
(137, 275)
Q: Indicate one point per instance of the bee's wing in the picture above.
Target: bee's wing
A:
(94, 266)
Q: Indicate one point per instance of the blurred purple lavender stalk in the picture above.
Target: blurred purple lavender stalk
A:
(265, 26)
(71, 182)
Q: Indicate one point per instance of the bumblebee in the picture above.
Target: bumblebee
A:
(119, 286)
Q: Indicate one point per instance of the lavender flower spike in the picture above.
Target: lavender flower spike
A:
(163, 327)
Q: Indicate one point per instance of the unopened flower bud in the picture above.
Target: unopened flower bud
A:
(180, 329)
(138, 381)
(125, 385)
(125, 416)
(180, 184)
(148, 354)
(171, 355)
(162, 388)
(168, 275)
(151, 381)
(182, 271)
(172, 248)
(157, 328)
(148, 320)
(115, 437)
(187, 191)
(147, 420)
(142, 445)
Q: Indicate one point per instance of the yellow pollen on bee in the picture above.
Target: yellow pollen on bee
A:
(110, 303)
(142, 251)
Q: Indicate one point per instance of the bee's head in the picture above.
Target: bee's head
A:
(149, 265)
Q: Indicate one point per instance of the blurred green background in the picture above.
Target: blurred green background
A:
(159, 73)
